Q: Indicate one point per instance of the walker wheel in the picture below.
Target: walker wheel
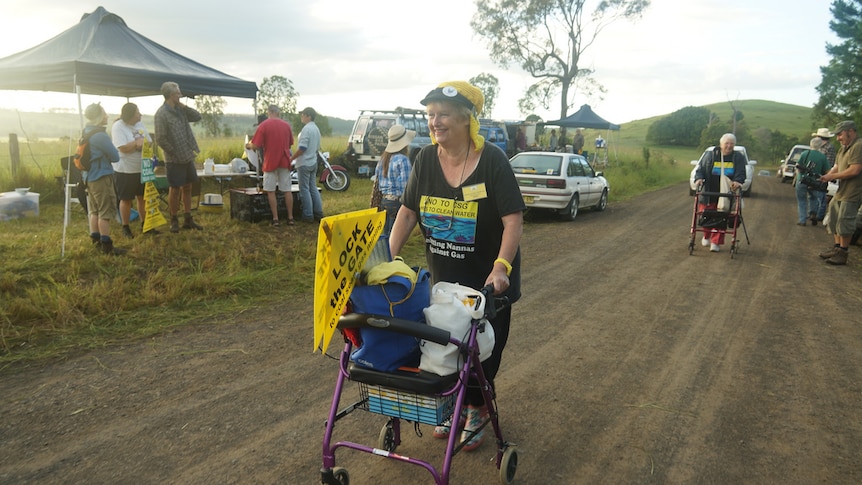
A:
(386, 439)
(341, 475)
(508, 465)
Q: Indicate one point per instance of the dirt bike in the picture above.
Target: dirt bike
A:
(333, 177)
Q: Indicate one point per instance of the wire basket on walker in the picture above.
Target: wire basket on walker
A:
(708, 221)
(414, 395)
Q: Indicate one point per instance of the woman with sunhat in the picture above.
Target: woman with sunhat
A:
(392, 172)
(464, 195)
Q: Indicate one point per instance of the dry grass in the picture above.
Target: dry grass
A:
(53, 304)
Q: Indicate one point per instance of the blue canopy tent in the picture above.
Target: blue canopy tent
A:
(586, 118)
(101, 55)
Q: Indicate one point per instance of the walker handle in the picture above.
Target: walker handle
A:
(397, 325)
(493, 304)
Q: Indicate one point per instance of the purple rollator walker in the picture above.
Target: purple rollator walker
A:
(415, 395)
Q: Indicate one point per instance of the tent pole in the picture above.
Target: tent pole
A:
(67, 196)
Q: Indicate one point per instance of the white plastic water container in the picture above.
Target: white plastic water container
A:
(15, 205)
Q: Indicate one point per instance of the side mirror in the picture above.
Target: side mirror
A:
(694, 163)
(752, 162)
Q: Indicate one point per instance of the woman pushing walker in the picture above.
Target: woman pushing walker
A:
(466, 199)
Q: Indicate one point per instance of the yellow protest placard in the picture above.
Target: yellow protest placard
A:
(153, 217)
(344, 242)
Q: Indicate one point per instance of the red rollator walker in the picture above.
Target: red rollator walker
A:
(415, 396)
(709, 221)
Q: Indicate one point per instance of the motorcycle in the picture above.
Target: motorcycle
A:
(334, 177)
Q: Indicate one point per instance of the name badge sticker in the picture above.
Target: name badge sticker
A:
(474, 192)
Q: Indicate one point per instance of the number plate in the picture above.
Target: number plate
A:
(528, 199)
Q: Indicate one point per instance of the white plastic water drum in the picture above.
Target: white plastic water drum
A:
(213, 199)
(238, 165)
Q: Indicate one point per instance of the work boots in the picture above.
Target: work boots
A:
(189, 224)
(175, 225)
(830, 252)
(108, 248)
(840, 258)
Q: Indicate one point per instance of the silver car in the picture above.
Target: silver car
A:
(561, 182)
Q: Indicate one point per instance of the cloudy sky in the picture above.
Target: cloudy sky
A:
(347, 55)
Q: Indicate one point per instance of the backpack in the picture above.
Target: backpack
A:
(83, 156)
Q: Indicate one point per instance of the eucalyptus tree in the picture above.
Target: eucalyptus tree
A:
(547, 38)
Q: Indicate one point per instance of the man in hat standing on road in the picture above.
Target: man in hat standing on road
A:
(827, 148)
(847, 200)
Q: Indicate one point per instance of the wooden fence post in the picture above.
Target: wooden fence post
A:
(14, 153)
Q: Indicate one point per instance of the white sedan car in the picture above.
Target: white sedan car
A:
(562, 182)
(749, 170)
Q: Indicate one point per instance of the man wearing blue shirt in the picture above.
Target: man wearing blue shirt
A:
(305, 160)
(101, 196)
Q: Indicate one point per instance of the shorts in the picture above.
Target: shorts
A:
(280, 178)
(180, 174)
(102, 199)
(842, 217)
(129, 185)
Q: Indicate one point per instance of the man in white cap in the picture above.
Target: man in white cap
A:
(101, 196)
(848, 199)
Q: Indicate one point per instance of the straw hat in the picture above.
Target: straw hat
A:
(823, 133)
(94, 113)
(399, 137)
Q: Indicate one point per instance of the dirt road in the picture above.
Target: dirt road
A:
(630, 361)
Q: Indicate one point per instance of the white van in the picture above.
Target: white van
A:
(370, 135)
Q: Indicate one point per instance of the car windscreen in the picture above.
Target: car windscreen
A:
(538, 164)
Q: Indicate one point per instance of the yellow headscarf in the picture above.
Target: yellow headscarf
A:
(464, 91)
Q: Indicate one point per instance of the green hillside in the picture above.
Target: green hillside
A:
(792, 120)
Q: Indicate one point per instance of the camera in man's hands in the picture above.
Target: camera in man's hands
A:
(811, 179)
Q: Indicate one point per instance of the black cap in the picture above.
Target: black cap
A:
(446, 93)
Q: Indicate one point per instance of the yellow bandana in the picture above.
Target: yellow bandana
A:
(475, 96)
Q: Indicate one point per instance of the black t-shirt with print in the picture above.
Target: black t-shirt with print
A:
(462, 225)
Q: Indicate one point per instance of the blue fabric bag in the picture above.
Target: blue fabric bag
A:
(381, 349)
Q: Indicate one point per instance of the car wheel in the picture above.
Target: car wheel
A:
(603, 201)
(571, 210)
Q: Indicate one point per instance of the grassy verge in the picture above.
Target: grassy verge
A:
(53, 304)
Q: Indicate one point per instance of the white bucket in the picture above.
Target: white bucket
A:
(213, 199)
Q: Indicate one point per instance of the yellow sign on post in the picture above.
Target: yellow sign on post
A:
(344, 243)
(153, 217)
